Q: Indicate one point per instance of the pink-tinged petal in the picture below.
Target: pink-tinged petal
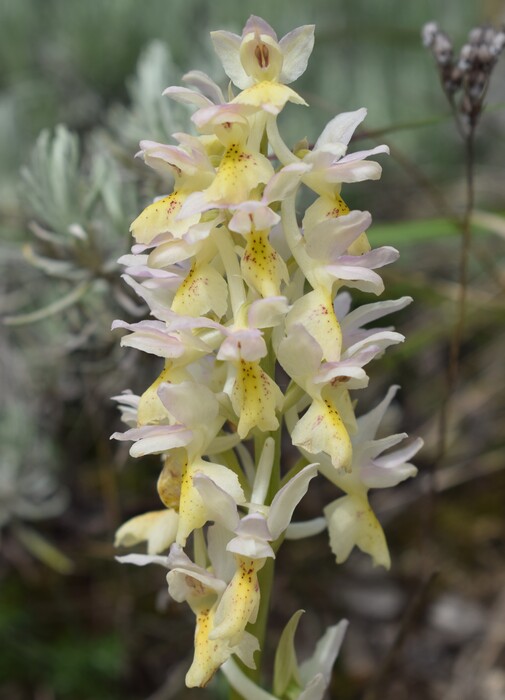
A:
(180, 160)
(353, 172)
(246, 343)
(127, 405)
(227, 47)
(296, 48)
(187, 96)
(144, 272)
(267, 313)
(205, 84)
(172, 252)
(258, 25)
(174, 322)
(342, 307)
(151, 296)
(286, 500)
(285, 182)
(155, 439)
(151, 337)
(352, 523)
(254, 525)
(132, 260)
(351, 367)
(374, 259)
(367, 313)
(361, 155)
(228, 115)
(359, 277)
(339, 131)
(332, 237)
(382, 339)
(260, 53)
(183, 574)
(252, 215)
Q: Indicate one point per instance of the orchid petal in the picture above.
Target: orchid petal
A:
(286, 500)
(220, 506)
(296, 48)
(352, 523)
(340, 129)
(321, 429)
(227, 47)
(267, 313)
(324, 656)
(157, 528)
(205, 84)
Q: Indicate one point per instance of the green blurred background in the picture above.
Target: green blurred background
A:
(76, 625)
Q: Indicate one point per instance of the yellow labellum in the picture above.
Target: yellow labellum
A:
(315, 312)
(321, 429)
(262, 267)
(239, 172)
(161, 217)
(255, 398)
(202, 290)
(240, 602)
(209, 653)
(269, 93)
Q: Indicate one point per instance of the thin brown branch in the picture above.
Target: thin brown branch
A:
(377, 688)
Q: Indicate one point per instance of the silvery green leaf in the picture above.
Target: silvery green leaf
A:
(60, 304)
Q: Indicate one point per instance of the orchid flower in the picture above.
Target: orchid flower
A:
(261, 66)
(196, 422)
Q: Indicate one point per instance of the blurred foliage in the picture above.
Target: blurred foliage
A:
(67, 196)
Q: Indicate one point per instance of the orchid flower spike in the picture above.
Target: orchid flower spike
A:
(259, 346)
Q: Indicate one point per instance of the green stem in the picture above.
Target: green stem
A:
(258, 629)
(284, 155)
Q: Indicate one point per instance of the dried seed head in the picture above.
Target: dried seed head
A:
(428, 33)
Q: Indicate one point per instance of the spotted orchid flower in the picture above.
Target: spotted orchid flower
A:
(261, 66)
(196, 421)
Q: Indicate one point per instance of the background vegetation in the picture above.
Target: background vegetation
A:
(75, 625)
